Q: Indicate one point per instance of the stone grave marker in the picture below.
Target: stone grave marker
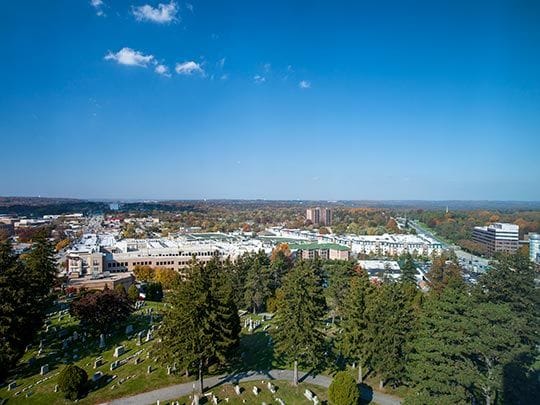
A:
(118, 351)
(44, 369)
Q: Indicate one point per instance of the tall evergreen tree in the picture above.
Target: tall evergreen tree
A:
(439, 365)
(390, 322)
(201, 323)
(352, 341)
(257, 284)
(339, 275)
(300, 308)
(408, 270)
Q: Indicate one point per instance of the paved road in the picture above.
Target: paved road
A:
(175, 391)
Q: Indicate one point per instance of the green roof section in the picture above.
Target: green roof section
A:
(317, 246)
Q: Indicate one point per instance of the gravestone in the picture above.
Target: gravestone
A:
(114, 365)
(139, 338)
(280, 401)
(98, 362)
(271, 387)
(102, 341)
(56, 388)
(12, 385)
(168, 370)
(97, 375)
(149, 370)
(137, 360)
(255, 390)
(148, 336)
(129, 329)
(118, 351)
(237, 389)
(44, 369)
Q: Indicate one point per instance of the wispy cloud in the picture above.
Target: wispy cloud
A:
(189, 6)
(304, 84)
(130, 57)
(162, 14)
(189, 68)
(267, 67)
(98, 6)
(220, 63)
(258, 79)
(162, 70)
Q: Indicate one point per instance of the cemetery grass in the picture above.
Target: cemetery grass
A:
(285, 390)
(136, 378)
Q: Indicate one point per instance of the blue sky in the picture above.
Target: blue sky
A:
(270, 99)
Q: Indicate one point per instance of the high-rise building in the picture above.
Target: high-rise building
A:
(320, 216)
(534, 247)
(313, 215)
(498, 237)
(326, 216)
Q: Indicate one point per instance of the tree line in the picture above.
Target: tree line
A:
(26, 283)
(454, 344)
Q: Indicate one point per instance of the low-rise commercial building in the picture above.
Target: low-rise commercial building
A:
(326, 251)
(497, 237)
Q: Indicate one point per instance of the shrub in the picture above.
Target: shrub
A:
(72, 381)
(120, 289)
(133, 293)
(343, 390)
(154, 292)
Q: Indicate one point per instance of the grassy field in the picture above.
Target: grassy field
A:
(284, 390)
(124, 380)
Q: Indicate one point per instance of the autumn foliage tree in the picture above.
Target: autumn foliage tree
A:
(101, 310)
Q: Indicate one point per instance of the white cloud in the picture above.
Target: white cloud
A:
(267, 67)
(98, 6)
(304, 84)
(258, 79)
(224, 76)
(188, 68)
(130, 57)
(162, 70)
(162, 14)
(221, 63)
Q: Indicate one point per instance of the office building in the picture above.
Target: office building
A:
(498, 237)
(534, 247)
(326, 251)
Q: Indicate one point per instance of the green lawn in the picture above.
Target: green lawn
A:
(284, 390)
(130, 378)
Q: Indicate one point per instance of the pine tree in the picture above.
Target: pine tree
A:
(339, 276)
(352, 341)
(408, 270)
(439, 365)
(300, 308)
(201, 323)
(390, 323)
(257, 284)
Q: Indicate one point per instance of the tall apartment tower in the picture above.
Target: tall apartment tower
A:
(319, 216)
(313, 215)
(326, 216)
(498, 237)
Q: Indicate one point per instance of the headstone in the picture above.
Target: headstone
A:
(12, 386)
(98, 362)
(114, 365)
(255, 390)
(118, 351)
(136, 361)
(149, 369)
(31, 361)
(148, 336)
(271, 387)
(280, 401)
(56, 388)
(129, 329)
(168, 370)
(139, 338)
(102, 341)
(97, 375)
(237, 389)
(44, 369)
